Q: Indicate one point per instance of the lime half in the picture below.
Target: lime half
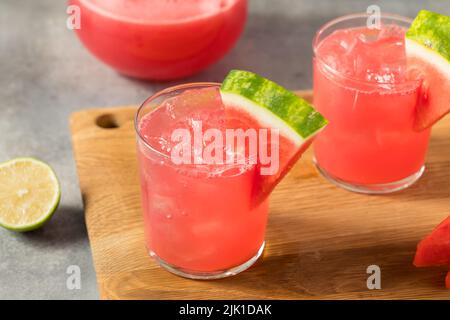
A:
(29, 194)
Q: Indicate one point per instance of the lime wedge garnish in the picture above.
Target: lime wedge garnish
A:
(29, 194)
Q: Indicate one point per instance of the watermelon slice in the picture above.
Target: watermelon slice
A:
(261, 103)
(427, 46)
(434, 249)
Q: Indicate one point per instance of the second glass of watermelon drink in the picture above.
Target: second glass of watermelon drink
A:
(160, 39)
(362, 86)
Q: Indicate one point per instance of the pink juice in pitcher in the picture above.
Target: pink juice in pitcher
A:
(160, 39)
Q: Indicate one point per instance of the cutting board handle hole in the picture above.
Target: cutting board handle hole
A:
(107, 121)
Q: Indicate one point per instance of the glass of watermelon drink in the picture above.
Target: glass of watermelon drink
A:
(364, 88)
(206, 219)
(160, 39)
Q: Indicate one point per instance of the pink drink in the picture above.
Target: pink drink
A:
(362, 86)
(160, 39)
(200, 220)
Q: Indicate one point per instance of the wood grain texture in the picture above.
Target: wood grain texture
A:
(320, 238)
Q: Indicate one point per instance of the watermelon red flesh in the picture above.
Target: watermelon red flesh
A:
(435, 96)
(447, 281)
(427, 44)
(434, 249)
(289, 152)
(263, 104)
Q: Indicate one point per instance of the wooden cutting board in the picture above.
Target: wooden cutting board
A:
(320, 239)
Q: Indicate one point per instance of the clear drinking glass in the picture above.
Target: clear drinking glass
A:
(362, 86)
(199, 222)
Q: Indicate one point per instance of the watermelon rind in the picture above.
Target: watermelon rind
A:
(272, 105)
(431, 30)
(427, 45)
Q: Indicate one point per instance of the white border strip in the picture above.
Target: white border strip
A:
(264, 116)
(414, 48)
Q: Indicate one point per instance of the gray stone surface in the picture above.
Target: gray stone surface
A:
(45, 74)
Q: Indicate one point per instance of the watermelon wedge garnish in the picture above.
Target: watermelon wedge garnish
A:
(428, 52)
(263, 104)
(434, 249)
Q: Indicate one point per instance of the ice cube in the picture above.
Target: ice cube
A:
(391, 31)
(368, 36)
(379, 55)
(197, 105)
(162, 205)
(195, 110)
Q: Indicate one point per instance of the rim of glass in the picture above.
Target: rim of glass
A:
(158, 94)
(117, 17)
(326, 26)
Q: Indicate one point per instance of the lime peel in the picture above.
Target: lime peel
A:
(29, 194)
